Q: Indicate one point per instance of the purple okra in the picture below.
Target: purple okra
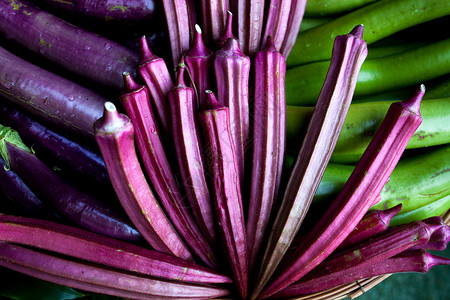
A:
(98, 278)
(153, 70)
(249, 22)
(116, 139)
(214, 19)
(86, 245)
(374, 222)
(198, 60)
(135, 100)
(358, 194)
(268, 143)
(227, 31)
(232, 71)
(325, 125)
(225, 188)
(406, 261)
(189, 154)
(276, 22)
(294, 21)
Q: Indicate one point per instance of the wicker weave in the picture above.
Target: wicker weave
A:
(355, 289)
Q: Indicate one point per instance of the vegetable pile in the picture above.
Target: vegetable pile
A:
(253, 150)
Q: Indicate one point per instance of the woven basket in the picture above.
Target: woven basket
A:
(357, 288)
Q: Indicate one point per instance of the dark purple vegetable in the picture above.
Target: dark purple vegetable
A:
(358, 194)
(223, 175)
(18, 193)
(81, 52)
(268, 143)
(276, 22)
(295, 20)
(198, 60)
(85, 245)
(135, 100)
(98, 278)
(349, 52)
(108, 10)
(63, 152)
(232, 71)
(440, 237)
(189, 154)
(67, 200)
(115, 137)
(51, 98)
(227, 31)
(407, 261)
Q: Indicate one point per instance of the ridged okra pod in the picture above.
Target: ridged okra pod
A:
(198, 60)
(225, 188)
(214, 18)
(358, 194)
(153, 70)
(232, 71)
(374, 222)
(180, 18)
(149, 142)
(407, 261)
(248, 24)
(326, 123)
(294, 21)
(98, 278)
(116, 137)
(189, 154)
(276, 22)
(85, 245)
(268, 143)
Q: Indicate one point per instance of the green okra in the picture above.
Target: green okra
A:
(380, 19)
(333, 7)
(303, 83)
(361, 123)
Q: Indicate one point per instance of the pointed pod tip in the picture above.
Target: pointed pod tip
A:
(270, 45)
(145, 52)
(129, 83)
(413, 103)
(198, 47)
(358, 31)
(111, 120)
(211, 101)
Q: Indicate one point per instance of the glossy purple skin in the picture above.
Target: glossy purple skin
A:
(50, 98)
(61, 150)
(295, 20)
(225, 188)
(407, 261)
(66, 199)
(214, 19)
(18, 192)
(67, 271)
(86, 245)
(77, 50)
(110, 10)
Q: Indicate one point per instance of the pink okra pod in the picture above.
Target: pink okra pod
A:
(116, 139)
(374, 222)
(99, 278)
(224, 180)
(325, 125)
(214, 17)
(154, 72)
(198, 60)
(358, 194)
(295, 18)
(406, 261)
(440, 237)
(248, 24)
(268, 143)
(232, 70)
(276, 23)
(135, 100)
(100, 249)
(189, 154)
(180, 18)
(227, 31)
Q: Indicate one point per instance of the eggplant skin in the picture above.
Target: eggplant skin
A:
(109, 10)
